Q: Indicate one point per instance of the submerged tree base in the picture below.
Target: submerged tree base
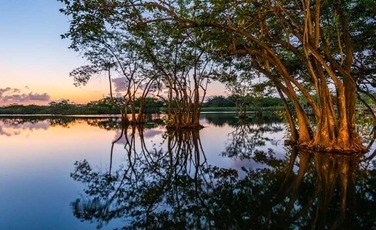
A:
(184, 127)
(311, 146)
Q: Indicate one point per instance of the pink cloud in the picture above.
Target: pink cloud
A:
(13, 95)
(120, 84)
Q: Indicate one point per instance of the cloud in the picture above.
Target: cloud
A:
(5, 90)
(120, 84)
(38, 97)
(14, 95)
(25, 97)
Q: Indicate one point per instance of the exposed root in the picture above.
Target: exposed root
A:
(184, 127)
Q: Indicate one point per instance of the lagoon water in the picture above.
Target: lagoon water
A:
(88, 173)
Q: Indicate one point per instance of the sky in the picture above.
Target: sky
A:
(35, 62)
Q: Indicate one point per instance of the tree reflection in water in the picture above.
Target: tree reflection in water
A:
(247, 137)
(174, 187)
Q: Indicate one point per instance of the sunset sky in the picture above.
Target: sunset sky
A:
(35, 62)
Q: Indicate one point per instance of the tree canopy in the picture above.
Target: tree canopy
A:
(322, 51)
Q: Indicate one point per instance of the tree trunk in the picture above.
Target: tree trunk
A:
(340, 135)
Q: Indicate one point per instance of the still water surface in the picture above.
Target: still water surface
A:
(88, 173)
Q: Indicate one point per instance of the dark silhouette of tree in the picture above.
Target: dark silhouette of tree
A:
(175, 188)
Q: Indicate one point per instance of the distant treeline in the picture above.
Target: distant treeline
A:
(252, 102)
(64, 107)
(152, 105)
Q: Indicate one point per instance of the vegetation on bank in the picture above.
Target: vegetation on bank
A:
(151, 105)
(64, 107)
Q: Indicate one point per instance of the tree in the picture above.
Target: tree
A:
(108, 47)
(219, 101)
(183, 67)
(305, 48)
(142, 54)
(62, 107)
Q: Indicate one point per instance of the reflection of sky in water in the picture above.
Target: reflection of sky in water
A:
(12, 127)
(35, 181)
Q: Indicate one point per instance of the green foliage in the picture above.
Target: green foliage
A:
(64, 107)
(254, 102)
(151, 105)
(24, 109)
(219, 101)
